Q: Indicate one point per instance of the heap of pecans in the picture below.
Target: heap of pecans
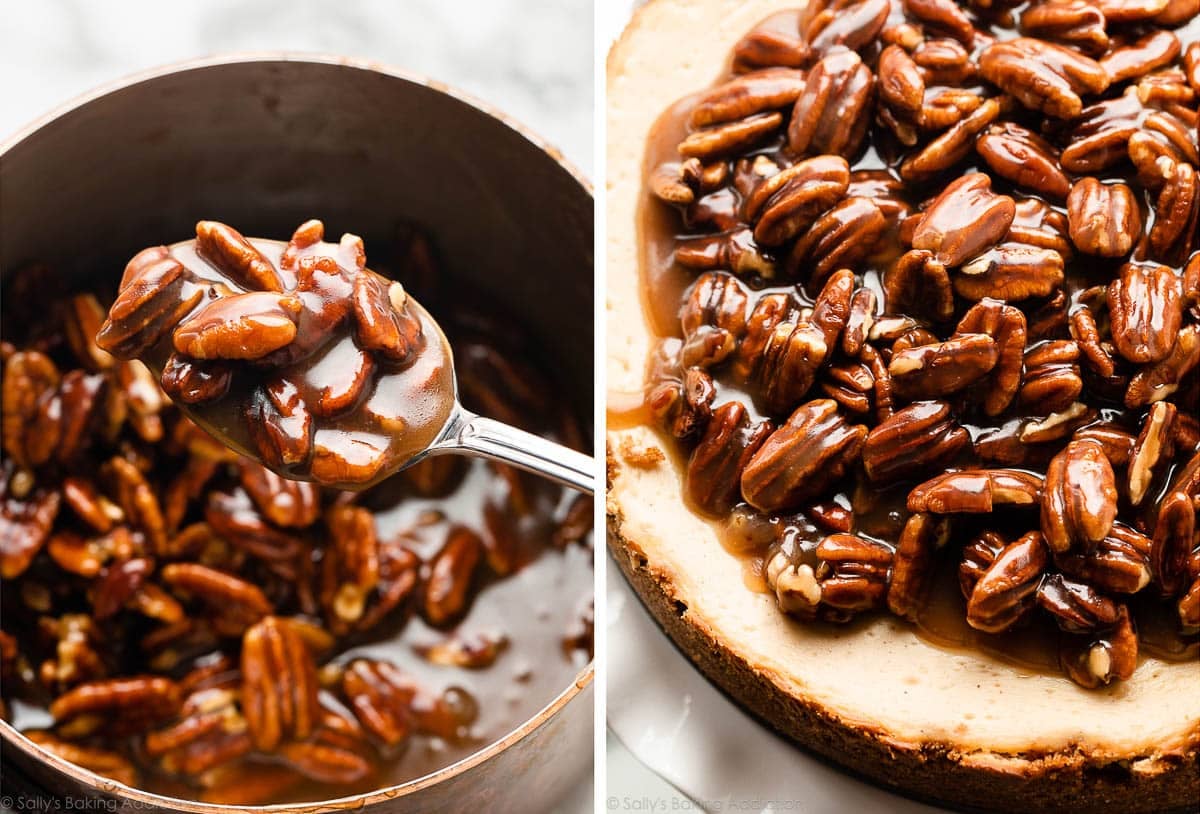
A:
(946, 311)
(181, 613)
(336, 375)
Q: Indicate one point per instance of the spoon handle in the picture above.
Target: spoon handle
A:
(476, 435)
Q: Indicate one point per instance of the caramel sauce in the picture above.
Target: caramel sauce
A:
(878, 513)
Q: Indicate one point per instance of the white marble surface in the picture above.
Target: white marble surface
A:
(531, 58)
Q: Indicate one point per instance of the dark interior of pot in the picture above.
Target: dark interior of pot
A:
(265, 145)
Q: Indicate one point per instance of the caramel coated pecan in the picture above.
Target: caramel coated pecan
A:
(851, 576)
(234, 603)
(841, 238)
(1010, 272)
(714, 316)
(747, 95)
(383, 322)
(103, 762)
(156, 292)
(193, 381)
(1076, 23)
(1177, 215)
(1024, 158)
(730, 138)
(975, 491)
(802, 458)
(1006, 325)
(1007, 590)
(279, 684)
(1132, 59)
(1108, 655)
(788, 203)
(918, 438)
(1043, 76)
(25, 525)
(1079, 500)
(849, 23)
(966, 218)
(1156, 381)
(977, 557)
(913, 564)
(337, 751)
(242, 326)
(391, 705)
(228, 250)
(715, 467)
(919, 283)
(31, 404)
(1104, 218)
(1150, 449)
(1052, 380)
(447, 592)
(351, 569)
(120, 706)
(930, 371)
(1076, 606)
(831, 116)
(1174, 536)
(956, 143)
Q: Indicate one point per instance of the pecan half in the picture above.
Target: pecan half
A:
(1008, 589)
(918, 283)
(1076, 606)
(912, 565)
(447, 592)
(1025, 158)
(1104, 218)
(193, 381)
(788, 203)
(241, 326)
(1010, 272)
(104, 762)
(917, 438)
(1149, 448)
(1079, 500)
(383, 322)
(1109, 655)
(226, 248)
(802, 458)
(1077, 23)
(279, 684)
(1174, 536)
(747, 95)
(1043, 76)
(25, 526)
(1052, 380)
(830, 117)
(235, 603)
(929, 371)
(966, 218)
(121, 706)
(1006, 325)
(156, 293)
(715, 467)
(975, 491)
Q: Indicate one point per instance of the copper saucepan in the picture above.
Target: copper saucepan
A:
(266, 141)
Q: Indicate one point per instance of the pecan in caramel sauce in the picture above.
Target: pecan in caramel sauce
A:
(297, 353)
(926, 277)
(182, 619)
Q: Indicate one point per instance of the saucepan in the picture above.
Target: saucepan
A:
(267, 141)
